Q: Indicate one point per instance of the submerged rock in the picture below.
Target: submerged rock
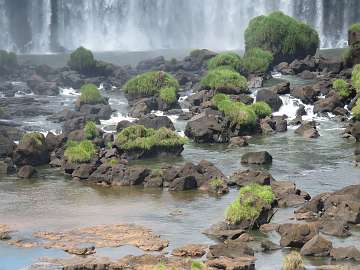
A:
(26, 172)
(260, 158)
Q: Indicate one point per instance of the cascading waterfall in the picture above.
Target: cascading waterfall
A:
(102, 25)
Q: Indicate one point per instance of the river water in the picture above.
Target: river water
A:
(55, 202)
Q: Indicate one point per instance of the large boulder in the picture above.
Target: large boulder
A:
(306, 94)
(287, 195)
(282, 88)
(308, 130)
(26, 172)
(231, 249)
(328, 104)
(208, 127)
(317, 246)
(155, 122)
(98, 111)
(345, 253)
(270, 97)
(243, 178)
(142, 107)
(32, 152)
(296, 235)
(259, 158)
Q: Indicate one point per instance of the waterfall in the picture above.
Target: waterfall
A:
(102, 25)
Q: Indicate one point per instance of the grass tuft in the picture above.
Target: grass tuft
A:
(226, 59)
(197, 265)
(356, 77)
(168, 95)
(356, 111)
(216, 183)
(261, 109)
(293, 261)
(355, 27)
(222, 78)
(90, 130)
(90, 94)
(79, 152)
(341, 87)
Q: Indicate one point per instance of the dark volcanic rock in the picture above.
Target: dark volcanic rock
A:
(243, 178)
(31, 152)
(306, 94)
(232, 249)
(282, 88)
(155, 122)
(142, 107)
(328, 104)
(26, 172)
(308, 130)
(257, 158)
(270, 98)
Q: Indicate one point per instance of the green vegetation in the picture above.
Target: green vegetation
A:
(256, 60)
(237, 112)
(7, 59)
(248, 205)
(293, 261)
(216, 183)
(356, 77)
(197, 265)
(112, 162)
(90, 130)
(222, 78)
(90, 94)
(355, 27)
(229, 60)
(79, 152)
(82, 60)
(151, 83)
(261, 109)
(168, 95)
(160, 267)
(37, 137)
(341, 87)
(284, 36)
(139, 137)
(356, 111)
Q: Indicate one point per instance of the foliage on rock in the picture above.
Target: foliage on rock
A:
(229, 60)
(90, 94)
(82, 60)
(223, 78)
(168, 95)
(79, 152)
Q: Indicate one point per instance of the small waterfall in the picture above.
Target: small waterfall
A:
(102, 25)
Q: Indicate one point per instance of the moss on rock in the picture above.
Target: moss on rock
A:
(37, 137)
(82, 60)
(285, 37)
(168, 95)
(226, 59)
(341, 87)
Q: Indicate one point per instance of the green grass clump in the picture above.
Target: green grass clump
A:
(217, 182)
(341, 87)
(222, 78)
(256, 60)
(197, 265)
(139, 137)
(112, 162)
(356, 111)
(168, 95)
(226, 59)
(90, 94)
(150, 83)
(261, 109)
(284, 36)
(293, 261)
(219, 97)
(37, 137)
(248, 205)
(79, 152)
(7, 59)
(82, 60)
(356, 77)
(90, 130)
(355, 27)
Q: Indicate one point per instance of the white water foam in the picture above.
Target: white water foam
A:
(68, 92)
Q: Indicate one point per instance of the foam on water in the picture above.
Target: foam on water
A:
(173, 118)
(68, 92)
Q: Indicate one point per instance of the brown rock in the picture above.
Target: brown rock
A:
(317, 246)
(242, 263)
(192, 250)
(296, 235)
(345, 253)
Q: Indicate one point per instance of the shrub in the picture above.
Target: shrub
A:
(82, 60)
(79, 152)
(355, 27)
(261, 109)
(293, 261)
(341, 87)
(150, 83)
(356, 111)
(168, 95)
(356, 77)
(221, 78)
(139, 137)
(90, 94)
(217, 98)
(256, 60)
(227, 59)
(285, 37)
(7, 59)
(237, 112)
(37, 137)
(248, 205)
(90, 130)
(197, 265)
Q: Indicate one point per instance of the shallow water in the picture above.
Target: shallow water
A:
(55, 202)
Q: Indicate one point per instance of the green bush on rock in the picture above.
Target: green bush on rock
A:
(139, 137)
(261, 109)
(82, 60)
(285, 37)
(356, 111)
(37, 137)
(222, 78)
(90, 130)
(7, 59)
(150, 83)
(90, 94)
(249, 203)
(229, 60)
(168, 95)
(79, 152)
(341, 87)
(355, 27)
(356, 77)
(256, 60)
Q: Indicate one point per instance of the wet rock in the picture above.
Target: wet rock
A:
(191, 250)
(72, 79)
(317, 246)
(296, 235)
(266, 228)
(157, 63)
(26, 172)
(308, 130)
(208, 127)
(273, 124)
(83, 171)
(156, 122)
(282, 88)
(98, 111)
(7, 146)
(287, 195)
(131, 176)
(298, 66)
(242, 263)
(154, 179)
(345, 253)
(230, 250)
(142, 107)
(81, 251)
(243, 178)
(183, 183)
(270, 98)
(330, 65)
(24, 107)
(328, 104)
(6, 167)
(306, 94)
(41, 87)
(31, 152)
(122, 125)
(284, 68)
(223, 231)
(335, 227)
(267, 245)
(354, 130)
(238, 141)
(255, 82)
(64, 115)
(307, 75)
(301, 111)
(260, 158)
(53, 141)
